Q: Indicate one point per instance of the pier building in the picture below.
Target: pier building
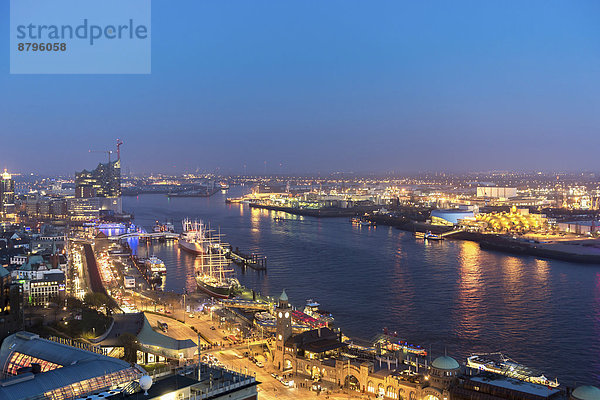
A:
(319, 358)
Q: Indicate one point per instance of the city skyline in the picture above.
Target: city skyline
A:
(323, 87)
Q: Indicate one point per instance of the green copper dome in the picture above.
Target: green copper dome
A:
(283, 296)
(448, 363)
(586, 393)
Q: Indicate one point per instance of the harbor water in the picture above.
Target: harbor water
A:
(447, 296)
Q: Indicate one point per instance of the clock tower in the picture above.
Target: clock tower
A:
(284, 329)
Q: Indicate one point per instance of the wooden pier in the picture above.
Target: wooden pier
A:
(253, 260)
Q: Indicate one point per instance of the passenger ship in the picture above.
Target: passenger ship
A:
(498, 363)
(156, 265)
(192, 239)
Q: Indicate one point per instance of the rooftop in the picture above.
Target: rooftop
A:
(517, 385)
(137, 324)
(69, 366)
(212, 381)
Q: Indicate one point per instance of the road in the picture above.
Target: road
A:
(271, 388)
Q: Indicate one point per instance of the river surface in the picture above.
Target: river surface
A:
(447, 296)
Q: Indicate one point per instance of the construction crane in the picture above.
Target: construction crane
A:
(119, 143)
(109, 152)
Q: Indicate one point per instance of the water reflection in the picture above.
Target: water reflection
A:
(471, 308)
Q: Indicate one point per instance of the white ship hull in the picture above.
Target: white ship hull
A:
(194, 248)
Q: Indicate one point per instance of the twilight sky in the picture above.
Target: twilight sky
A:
(325, 85)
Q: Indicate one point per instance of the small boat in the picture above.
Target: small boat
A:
(361, 221)
(432, 236)
(278, 219)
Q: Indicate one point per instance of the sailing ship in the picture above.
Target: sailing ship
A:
(212, 276)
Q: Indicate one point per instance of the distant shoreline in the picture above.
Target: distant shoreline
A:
(570, 252)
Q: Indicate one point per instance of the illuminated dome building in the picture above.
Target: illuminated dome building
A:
(517, 220)
(586, 393)
(442, 372)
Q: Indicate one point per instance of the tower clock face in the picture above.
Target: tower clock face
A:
(280, 314)
(287, 314)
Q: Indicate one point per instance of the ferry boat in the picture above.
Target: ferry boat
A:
(312, 309)
(223, 185)
(391, 342)
(264, 316)
(193, 238)
(156, 265)
(498, 363)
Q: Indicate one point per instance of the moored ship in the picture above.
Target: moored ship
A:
(312, 309)
(156, 265)
(215, 287)
(498, 363)
(193, 238)
(211, 276)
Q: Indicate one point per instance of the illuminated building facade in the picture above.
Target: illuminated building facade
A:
(104, 181)
(318, 359)
(450, 217)
(38, 368)
(7, 194)
(496, 192)
(97, 192)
